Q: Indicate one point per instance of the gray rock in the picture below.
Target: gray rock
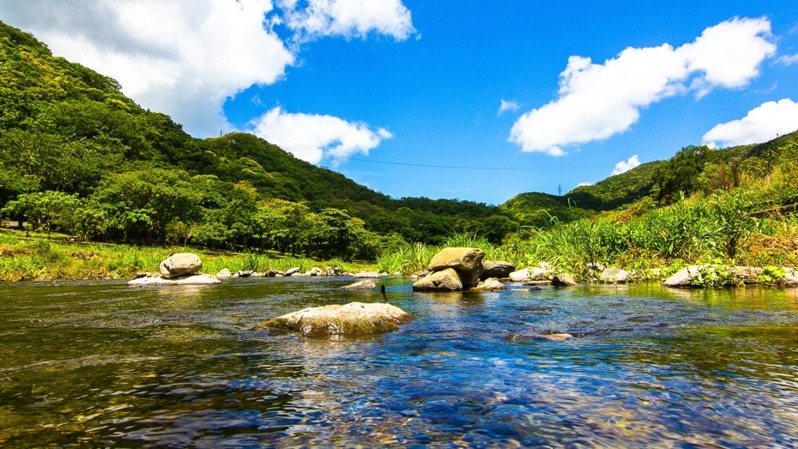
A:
(316, 271)
(520, 275)
(490, 285)
(244, 273)
(445, 280)
(331, 321)
(224, 273)
(563, 280)
(180, 264)
(614, 276)
(683, 277)
(191, 279)
(367, 275)
(790, 278)
(291, 271)
(496, 269)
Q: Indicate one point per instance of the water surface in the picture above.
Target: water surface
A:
(103, 364)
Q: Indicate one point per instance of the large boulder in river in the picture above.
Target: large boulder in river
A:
(461, 259)
(179, 264)
(445, 280)
(348, 320)
(467, 262)
(496, 269)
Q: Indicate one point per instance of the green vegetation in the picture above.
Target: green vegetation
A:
(741, 212)
(37, 257)
(77, 157)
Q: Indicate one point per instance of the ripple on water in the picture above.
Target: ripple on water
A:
(105, 365)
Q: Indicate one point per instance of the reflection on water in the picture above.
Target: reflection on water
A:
(94, 365)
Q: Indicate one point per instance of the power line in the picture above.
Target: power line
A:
(460, 167)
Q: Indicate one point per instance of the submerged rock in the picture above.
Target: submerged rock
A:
(180, 264)
(447, 280)
(352, 319)
(192, 279)
(496, 269)
(554, 337)
(366, 284)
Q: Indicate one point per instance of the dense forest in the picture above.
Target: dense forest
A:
(77, 156)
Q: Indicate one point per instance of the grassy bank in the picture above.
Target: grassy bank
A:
(729, 228)
(37, 257)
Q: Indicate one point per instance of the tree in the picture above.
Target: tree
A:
(48, 210)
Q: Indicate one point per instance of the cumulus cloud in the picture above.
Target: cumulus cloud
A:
(508, 106)
(313, 137)
(187, 57)
(348, 18)
(625, 166)
(181, 57)
(597, 101)
(763, 123)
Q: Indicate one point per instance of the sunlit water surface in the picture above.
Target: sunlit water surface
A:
(107, 365)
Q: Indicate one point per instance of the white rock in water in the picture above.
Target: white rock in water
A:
(352, 319)
(194, 279)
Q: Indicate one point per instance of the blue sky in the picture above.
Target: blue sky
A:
(364, 86)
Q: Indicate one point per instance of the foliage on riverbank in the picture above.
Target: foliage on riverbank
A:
(752, 224)
(37, 257)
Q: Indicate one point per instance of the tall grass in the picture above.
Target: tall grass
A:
(39, 258)
(718, 228)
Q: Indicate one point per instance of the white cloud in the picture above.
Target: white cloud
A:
(181, 57)
(763, 123)
(314, 137)
(787, 60)
(186, 57)
(348, 18)
(507, 106)
(597, 101)
(625, 166)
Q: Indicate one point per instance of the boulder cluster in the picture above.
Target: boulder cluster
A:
(454, 269)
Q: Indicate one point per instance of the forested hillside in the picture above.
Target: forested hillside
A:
(78, 156)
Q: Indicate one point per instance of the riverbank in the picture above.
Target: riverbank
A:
(35, 257)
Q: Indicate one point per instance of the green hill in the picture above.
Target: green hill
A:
(65, 128)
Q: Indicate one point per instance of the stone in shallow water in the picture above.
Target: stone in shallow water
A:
(351, 320)
(194, 279)
(446, 280)
(496, 269)
(490, 285)
(364, 285)
(180, 264)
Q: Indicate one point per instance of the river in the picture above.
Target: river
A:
(107, 365)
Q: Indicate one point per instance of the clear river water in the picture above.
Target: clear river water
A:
(107, 365)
